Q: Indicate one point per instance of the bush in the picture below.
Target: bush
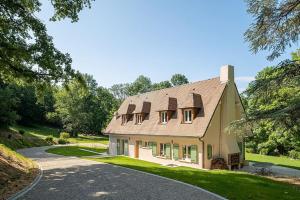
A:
(264, 151)
(22, 132)
(64, 135)
(49, 139)
(294, 154)
(62, 141)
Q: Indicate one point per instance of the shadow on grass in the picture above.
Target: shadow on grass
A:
(232, 185)
(281, 165)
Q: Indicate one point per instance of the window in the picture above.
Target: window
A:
(165, 150)
(175, 151)
(122, 147)
(124, 119)
(139, 118)
(164, 117)
(187, 116)
(145, 144)
(209, 151)
(153, 146)
(190, 153)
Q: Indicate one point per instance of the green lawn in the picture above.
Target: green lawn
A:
(281, 161)
(75, 151)
(232, 185)
(43, 131)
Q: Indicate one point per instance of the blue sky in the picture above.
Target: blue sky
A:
(118, 40)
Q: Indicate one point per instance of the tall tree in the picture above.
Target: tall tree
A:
(141, 85)
(27, 51)
(275, 27)
(179, 79)
(161, 85)
(120, 91)
(84, 109)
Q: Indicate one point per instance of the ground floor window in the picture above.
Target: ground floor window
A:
(153, 146)
(209, 152)
(175, 151)
(122, 147)
(165, 150)
(190, 153)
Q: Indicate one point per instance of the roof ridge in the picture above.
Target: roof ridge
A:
(178, 86)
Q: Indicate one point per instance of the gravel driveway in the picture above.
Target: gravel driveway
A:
(74, 178)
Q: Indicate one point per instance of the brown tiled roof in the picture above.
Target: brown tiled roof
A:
(143, 107)
(167, 103)
(192, 100)
(209, 91)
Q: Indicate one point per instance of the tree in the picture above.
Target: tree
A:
(276, 25)
(161, 85)
(8, 104)
(84, 109)
(120, 91)
(27, 52)
(179, 79)
(141, 85)
(272, 103)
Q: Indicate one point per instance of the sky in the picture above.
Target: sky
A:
(118, 40)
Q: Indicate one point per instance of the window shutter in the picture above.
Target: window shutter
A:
(194, 154)
(126, 147)
(168, 151)
(118, 147)
(175, 151)
(154, 148)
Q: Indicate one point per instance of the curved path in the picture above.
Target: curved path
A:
(74, 178)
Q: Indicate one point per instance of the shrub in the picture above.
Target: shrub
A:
(264, 151)
(49, 139)
(294, 154)
(62, 141)
(64, 135)
(22, 132)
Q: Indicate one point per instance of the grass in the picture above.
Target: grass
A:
(43, 131)
(75, 151)
(232, 185)
(281, 161)
(17, 141)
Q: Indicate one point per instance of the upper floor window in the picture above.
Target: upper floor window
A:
(163, 117)
(124, 119)
(139, 118)
(187, 116)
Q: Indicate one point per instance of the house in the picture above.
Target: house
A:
(185, 125)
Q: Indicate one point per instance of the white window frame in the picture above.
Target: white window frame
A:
(139, 118)
(187, 116)
(164, 117)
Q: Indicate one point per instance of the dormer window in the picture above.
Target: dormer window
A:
(187, 116)
(163, 117)
(139, 118)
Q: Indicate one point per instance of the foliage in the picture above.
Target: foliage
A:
(27, 51)
(276, 25)
(64, 135)
(8, 104)
(21, 131)
(272, 103)
(49, 139)
(179, 79)
(143, 84)
(229, 184)
(76, 151)
(161, 85)
(62, 141)
(84, 109)
(294, 154)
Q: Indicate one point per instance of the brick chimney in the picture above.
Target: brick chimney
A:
(227, 74)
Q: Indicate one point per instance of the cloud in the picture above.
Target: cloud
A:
(245, 78)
